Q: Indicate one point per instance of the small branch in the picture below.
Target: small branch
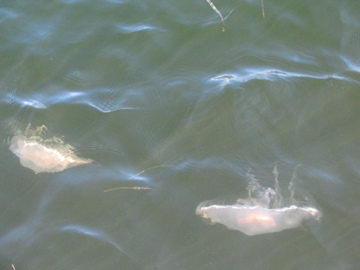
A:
(138, 188)
(218, 12)
(154, 167)
(263, 9)
(134, 188)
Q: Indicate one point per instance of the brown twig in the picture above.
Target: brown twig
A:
(138, 188)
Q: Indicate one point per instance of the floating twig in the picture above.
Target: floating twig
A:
(263, 9)
(218, 12)
(138, 188)
(154, 167)
(134, 188)
(13, 267)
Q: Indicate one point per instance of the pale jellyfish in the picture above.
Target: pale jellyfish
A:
(254, 215)
(253, 220)
(41, 153)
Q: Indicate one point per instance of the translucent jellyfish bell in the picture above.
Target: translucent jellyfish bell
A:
(42, 154)
(253, 220)
(254, 215)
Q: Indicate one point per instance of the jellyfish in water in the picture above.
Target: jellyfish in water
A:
(262, 212)
(42, 153)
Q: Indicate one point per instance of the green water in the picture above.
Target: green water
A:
(157, 85)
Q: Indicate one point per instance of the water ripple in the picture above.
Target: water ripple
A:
(273, 75)
(135, 28)
(97, 235)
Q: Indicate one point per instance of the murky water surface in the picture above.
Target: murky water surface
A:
(174, 111)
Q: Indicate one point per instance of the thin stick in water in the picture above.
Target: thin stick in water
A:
(138, 188)
(13, 267)
(154, 167)
(134, 188)
(218, 12)
(263, 9)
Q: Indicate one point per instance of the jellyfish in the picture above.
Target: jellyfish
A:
(42, 153)
(262, 212)
(253, 220)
